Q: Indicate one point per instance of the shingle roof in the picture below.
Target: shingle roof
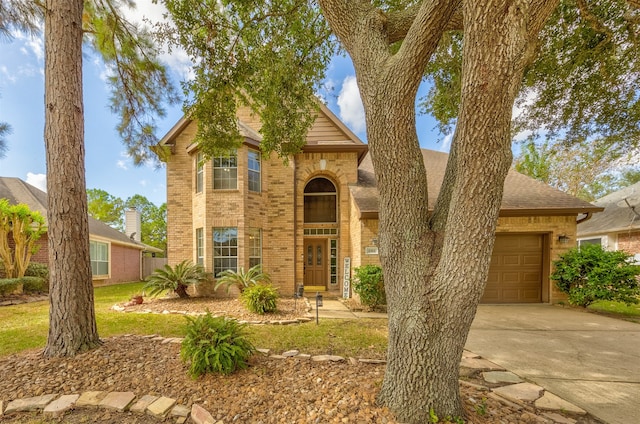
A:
(617, 215)
(18, 191)
(522, 195)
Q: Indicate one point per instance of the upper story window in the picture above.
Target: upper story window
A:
(225, 172)
(320, 201)
(199, 172)
(254, 170)
(99, 254)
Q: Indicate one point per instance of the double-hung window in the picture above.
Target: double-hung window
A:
(254, 170)
(255, 247)
(200, 246)
(225, 172)
(199, 172)
(225, 249)
(99, 254)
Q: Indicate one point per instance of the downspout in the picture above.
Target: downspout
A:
(585, 218)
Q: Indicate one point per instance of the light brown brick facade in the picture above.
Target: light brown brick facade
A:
(278, 210)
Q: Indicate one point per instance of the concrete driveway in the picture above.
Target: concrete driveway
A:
(589, 360)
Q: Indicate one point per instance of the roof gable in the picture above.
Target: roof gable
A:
(618, 215)
(522, 195)
(327, 134)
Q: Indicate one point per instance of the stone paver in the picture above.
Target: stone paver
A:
(117, 400)
(549, 401)
(501, 377)
(90, 399)
(141, 404)
(523, 391)
(180, 411)
(160, 407)
(480, 364)
(59, 406)
(559, 419)
(290, 353)
(35, 403)
(199, 415)
(321, 358)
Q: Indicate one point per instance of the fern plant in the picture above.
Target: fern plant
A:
(241, 279)
(260, 299)
(176, 279)
(216, 345)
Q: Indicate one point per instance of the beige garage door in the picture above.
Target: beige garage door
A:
(515, 274)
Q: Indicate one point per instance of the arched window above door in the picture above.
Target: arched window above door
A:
(320, 201)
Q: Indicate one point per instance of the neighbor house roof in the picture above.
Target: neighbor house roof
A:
(621, 213)
(522, 195)
(17, 191)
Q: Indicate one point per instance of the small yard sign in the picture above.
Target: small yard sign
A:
(346, 286)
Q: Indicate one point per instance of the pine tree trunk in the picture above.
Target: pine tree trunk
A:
(72, 324)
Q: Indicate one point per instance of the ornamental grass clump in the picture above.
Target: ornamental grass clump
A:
(260, 299)
(590, 274)
(215, 345)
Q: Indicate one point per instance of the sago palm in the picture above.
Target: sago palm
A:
(242, 279)
(177, 278)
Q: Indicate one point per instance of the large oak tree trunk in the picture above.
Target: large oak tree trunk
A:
(72, 324)
(435, 264)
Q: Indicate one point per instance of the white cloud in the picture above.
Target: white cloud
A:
(37, 180)
(122, 164)
(350, 104)
(144, 183)
(446, 143)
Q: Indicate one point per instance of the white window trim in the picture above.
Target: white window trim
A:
(258, 171)
(108, 274)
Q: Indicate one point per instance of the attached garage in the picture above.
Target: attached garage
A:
(516, 270)
(536, 225)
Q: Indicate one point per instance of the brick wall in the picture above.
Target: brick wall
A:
(629, 242)
(125, 263)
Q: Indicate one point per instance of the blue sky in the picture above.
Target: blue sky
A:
(107, 165)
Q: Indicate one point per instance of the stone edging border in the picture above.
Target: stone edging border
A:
(300, 320)
(513, 392)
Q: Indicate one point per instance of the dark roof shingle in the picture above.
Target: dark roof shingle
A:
(522, 195)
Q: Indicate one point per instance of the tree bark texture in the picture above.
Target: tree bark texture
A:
(72, 324)
(436, 264)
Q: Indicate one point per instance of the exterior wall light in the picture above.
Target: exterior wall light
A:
(563, 239)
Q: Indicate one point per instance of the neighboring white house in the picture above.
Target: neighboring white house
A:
(618, 226)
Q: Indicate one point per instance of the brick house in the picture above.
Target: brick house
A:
(314, 219)
(115, 257)
(618, 226)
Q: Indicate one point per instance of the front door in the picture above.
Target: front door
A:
(315, 264)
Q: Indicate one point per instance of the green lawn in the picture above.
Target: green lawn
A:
(26, 327)
(617, 310)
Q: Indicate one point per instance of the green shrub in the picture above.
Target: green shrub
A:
(369, 285)
(8, 286)
(260, 299)
(33, 285)
(176, 279)
(35, 269)
(215, 344)
(29, 285)
(590, 274)
(242, 279)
